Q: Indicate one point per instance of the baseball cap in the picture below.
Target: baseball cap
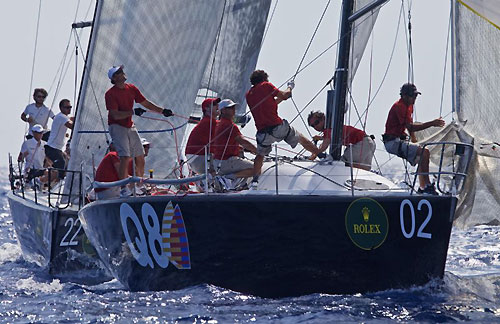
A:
(227, 103)
(144, 141)
(37, 128)
(207, 103)
(409, 89)
(113, 70)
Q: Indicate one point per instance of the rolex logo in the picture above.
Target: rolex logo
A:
(366, 214)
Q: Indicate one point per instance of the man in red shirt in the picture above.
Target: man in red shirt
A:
(263, 99)
(228, 145)
(202, 135)
(360, 152)
(119, 103)
(108, 169)
(395, 139)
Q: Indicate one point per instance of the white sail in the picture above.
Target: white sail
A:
(165, 46)
(361, 31)
(235, 54)
(486, 9)
(476, 101)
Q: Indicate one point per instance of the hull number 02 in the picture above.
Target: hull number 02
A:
(408, 230)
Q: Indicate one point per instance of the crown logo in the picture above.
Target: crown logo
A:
(366, 214)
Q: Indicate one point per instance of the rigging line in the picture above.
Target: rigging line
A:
(62, 62)
(388, 63)
(84, 58)
(269, 23)
(356, 109)
(76, 11)
(306, 66)
(302, 118)
(34, 51)
(215, 49)
(445, 64)
(310, 101)
(311, 40)
(390, 58)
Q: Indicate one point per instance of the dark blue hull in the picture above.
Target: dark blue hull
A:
(272, 246)
(54, 239)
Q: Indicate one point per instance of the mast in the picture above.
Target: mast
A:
(337, 110)
(336, 102)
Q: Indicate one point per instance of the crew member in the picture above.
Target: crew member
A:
(395, 139)
(360, 152)
(263, 99)
(58, 137)
(202, 135)
(119, 102)
(37, 113)
(229, 144)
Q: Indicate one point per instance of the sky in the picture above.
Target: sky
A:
(290, 31)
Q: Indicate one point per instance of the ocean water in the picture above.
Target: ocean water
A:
(469, 292)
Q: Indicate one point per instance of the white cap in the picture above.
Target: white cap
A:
(227, 103)
(144, 141)
(113, 70)
(37, 128)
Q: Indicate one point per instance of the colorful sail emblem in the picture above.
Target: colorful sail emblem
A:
(174, 237)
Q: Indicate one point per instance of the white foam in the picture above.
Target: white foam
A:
(30, 286)
(9, 252)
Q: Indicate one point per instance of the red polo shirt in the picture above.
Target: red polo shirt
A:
(122, 100)
(260, 99)
(200, 136)
(106, 171)
(350, 135)
(225, 148)
(399, 115)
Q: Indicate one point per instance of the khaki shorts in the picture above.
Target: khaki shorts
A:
(361, 152)
(232, 165)
(265, 139)
(126, 140)
(197, 163)
(403, 149)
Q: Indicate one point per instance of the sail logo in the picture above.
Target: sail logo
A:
(148, 240)
(366, 223)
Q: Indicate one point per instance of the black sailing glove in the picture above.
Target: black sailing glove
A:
(167, 112)
(139, 111)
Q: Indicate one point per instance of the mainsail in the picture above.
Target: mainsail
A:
(235, 53)
(165, 47)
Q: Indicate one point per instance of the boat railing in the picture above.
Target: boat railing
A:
(55, 191)
(452, 168)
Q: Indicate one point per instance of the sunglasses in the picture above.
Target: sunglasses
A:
(40, 96)
(68, 107)
(315, 123)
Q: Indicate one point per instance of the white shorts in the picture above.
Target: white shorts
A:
(266, 138)
(126, 140)
(232, 165)
(403, 149)
(362, 152)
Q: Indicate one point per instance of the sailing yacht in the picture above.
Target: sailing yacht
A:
(309, 227)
